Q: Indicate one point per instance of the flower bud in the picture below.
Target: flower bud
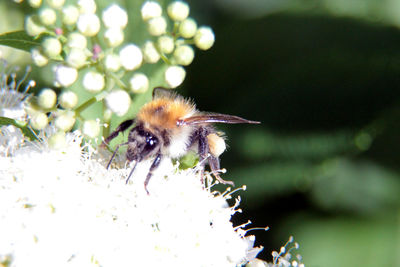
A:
(38, 58)
(52, 47)
(174, 76)
(157, 26)
(118, 101)
(184, 55)
(68, 99)
(131, 57)
(178, 10)
(150, 53)
(35, 3)
(47, 16)
(76, 40)
(87, 6)
(115, 17)
(47, 98)
(65, 76)
(112, 62)
(166, 44)
(65, 121)
(76, 58)
(32, 27)
(114, 36)
(70, 15)
(139, 83)
(150, 9)
(93, 81)
(91, 128)
(39, 120)
(88, 24)
(188, 28)
(57, 140)
(55, 3)
(204, 38)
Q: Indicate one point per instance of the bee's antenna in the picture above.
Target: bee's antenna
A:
(130, 174)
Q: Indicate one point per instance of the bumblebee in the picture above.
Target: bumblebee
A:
(168, 127)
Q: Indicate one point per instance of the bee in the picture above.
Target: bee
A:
(168, 127)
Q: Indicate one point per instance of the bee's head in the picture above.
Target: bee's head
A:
(142, 144)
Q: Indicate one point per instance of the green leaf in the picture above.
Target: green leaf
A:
(20, 40)
(27, 131)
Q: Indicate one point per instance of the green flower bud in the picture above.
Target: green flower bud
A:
(68, 99)
(188, 28)
(184, 55)
(52, 47)
(39, 120)
(47, 98)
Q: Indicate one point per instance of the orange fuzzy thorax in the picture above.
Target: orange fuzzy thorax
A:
(165, 112)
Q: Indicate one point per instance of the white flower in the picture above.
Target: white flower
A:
(76, 58)
(184, 55)
(178, 10)
(35, 3)
(188, 28)
(65, 208)
(76, 40)
(32, 28)
(47, 98)
(118, 101)
(204, 38)
(131, 57)
(150, 53)
(70, 15)
(166, 44)
(91, 128)
(93, 81)
(38, 58)
(87, 6)
(65, 76)
(139, 83)
(150, 9)
(88, 24)
(157, 26)
(51, 47)
(47, 16)
(114, 36)
(115, 17)
(55, 3)
(174, 76)
(112, 62)
(11, 138)
(68, 99)
(65, 120)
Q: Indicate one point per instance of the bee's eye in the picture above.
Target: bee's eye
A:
(151, 141)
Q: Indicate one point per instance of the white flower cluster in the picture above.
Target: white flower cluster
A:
(175, 43)
(80, 42)
(63, 208)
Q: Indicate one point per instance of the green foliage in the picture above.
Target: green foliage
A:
(25, 128)
(19, 40)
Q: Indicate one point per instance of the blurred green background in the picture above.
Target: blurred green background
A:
(323, 77)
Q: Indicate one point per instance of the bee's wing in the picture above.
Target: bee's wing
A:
(214, 118)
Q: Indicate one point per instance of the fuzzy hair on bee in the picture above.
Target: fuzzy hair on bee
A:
(168, 127)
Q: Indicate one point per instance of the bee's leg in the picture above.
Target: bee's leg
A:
(153, 166)
(115, 153)
(215, 167)
(122, 127)
(203, 150)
